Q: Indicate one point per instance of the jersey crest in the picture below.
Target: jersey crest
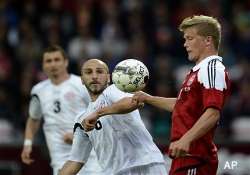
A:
(69, 96)
(191, 79)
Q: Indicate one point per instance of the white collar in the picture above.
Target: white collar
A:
(205, 61)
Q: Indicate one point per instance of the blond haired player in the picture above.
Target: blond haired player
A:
(196, 110)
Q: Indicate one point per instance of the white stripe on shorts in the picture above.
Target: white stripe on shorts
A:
(191, 171)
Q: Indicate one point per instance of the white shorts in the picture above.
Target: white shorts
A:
(151, 169)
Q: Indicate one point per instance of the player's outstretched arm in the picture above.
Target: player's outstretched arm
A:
(70, 168)
(123, 106)
(159, 102)
(31, 129)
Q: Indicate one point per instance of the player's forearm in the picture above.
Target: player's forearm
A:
(162, 102)
(206, 122)
(123, 106)
(32, 127)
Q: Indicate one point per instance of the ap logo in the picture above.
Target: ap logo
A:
(230, 165)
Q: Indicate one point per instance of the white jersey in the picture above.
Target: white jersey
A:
(58, 105)
(120, 141)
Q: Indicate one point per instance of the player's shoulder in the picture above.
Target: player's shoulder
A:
(113, 89)
(79, 116)
(212, 73)
(213, 63)
(110, 88)
(40, 86)
(211, 66)
(75, 79)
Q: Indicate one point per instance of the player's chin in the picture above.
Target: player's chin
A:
(53, 73)
(97, 89)
(191, 58)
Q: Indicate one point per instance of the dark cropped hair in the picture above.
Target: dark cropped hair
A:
(55, 48)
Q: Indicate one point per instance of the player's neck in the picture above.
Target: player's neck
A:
(205, 55)
(59, 79)
(94, 97)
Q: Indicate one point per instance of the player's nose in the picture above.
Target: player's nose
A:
(185, 44)
(94, 76)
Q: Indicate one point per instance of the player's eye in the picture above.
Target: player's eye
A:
(87, 71)
(100, 71)
(57, 59)
(48, 61)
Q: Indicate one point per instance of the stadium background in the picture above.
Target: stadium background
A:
(114, 30)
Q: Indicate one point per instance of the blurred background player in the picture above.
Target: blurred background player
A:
(196, 110)
(122, 143)
(57, 100)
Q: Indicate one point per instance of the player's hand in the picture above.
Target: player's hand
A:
(68, 138)
(140, 98)
(26, 155)
(179, 148)
(89, 122)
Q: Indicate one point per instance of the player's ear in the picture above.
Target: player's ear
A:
(81, 76)
(66, 62)
(209, 40)
(82, 80)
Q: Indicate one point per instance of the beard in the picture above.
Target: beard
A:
(96, 89)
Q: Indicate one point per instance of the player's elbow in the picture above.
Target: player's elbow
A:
(70, 168)
(67, 171)
(214, 114)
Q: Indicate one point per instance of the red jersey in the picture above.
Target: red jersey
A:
(205, 86)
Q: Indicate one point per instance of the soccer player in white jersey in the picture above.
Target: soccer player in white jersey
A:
(122, 143)
(57, 100)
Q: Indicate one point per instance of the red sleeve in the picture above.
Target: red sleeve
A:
(213, 98)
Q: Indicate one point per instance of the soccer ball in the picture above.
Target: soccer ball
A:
(130, 75)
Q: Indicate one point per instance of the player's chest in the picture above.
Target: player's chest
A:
(190, 87)
(55, 99)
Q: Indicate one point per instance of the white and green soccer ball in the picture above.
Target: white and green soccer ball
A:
(130, 75)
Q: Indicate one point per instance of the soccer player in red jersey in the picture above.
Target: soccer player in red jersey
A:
(196, 110)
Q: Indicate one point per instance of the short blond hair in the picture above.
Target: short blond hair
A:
(206, 26)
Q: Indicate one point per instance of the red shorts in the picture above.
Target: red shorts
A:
(194, 165)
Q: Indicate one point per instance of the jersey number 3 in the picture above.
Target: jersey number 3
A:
(57, 106)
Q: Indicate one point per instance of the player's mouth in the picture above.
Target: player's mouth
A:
(53, 70)
(94, 83)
